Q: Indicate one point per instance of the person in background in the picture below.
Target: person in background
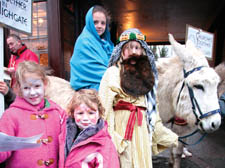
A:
(222, 106)
(32, 114)
(6, 90)
(128, 94)
(19, 53)
(92, 51)
(85, 141)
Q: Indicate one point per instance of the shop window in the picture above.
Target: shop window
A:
(38, 40)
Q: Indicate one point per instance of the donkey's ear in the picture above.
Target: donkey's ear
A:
(171, 39)
(197, 53)
(191, 46)
(178, 48)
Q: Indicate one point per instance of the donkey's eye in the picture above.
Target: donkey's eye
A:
(199, 87)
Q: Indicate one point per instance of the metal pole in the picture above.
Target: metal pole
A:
(2, 104)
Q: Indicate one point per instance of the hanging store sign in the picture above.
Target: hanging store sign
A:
(17, 14)
(202, 40)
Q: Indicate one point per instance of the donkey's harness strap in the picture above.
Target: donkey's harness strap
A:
(186, 136)
(193, 100)
(209, 113)
(185, 76)
(194, 104)
(178, 98)
(191, 71)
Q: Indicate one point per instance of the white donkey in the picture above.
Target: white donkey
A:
(187, 94)
(60, 91)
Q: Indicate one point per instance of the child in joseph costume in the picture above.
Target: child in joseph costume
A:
(128, 94)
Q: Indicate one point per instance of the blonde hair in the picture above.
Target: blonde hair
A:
(29, 67)
(87, 96)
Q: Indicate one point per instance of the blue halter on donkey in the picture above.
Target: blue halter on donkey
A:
(194, 105)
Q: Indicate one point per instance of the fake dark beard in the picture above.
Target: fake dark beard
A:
(136, 77)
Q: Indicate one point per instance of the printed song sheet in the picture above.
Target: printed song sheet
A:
(12, 143)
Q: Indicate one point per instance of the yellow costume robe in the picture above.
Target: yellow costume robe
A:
(136, 153)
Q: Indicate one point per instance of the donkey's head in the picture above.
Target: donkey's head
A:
(197, 100)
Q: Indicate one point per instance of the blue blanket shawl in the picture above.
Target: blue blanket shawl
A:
(90, 56)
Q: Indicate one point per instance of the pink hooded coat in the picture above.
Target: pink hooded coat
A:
(95, 151)
(24, 120)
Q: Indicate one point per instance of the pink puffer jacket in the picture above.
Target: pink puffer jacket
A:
(23, 120)
(97, 151)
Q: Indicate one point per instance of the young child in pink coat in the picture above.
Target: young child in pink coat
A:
(85, 141)
(29, 115)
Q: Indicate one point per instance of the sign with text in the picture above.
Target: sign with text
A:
(17, 14)
(202, 40)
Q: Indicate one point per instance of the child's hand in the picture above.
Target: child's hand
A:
(3, 88)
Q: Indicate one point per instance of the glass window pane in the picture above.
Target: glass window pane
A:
(38, 41)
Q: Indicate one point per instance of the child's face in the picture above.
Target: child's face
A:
(85, 116)
(32, 88)
(100, 22)
(132, 48)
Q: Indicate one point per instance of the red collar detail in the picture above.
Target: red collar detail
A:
(180, 121)
(21, 50)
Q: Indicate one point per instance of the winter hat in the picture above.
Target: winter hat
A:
(130, 35)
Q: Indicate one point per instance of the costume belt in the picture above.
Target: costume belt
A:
(122, 105)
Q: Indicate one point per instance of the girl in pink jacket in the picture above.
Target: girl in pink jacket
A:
(29, 115)
(85, 141)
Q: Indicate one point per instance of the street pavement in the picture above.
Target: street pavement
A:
(209, 153)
